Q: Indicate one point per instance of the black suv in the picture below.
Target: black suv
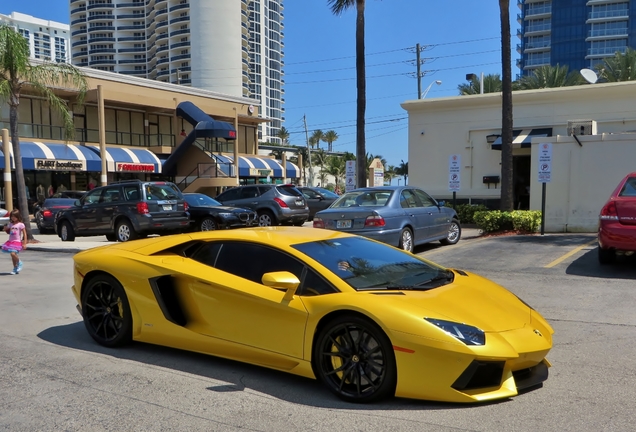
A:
(275, 204)
(125, 211)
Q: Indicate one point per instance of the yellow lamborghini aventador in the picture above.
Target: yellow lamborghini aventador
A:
(368, 320)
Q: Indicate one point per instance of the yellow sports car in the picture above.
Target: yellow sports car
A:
(367, 319)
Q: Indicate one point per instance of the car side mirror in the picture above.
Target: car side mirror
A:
(282, 280)
(441, 203)
(77, 203)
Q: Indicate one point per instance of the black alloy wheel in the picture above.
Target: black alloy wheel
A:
(207, 224)
(106, 311)
(354, 358)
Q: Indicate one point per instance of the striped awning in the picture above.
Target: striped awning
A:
(254, 166)
(130, 159)
(55, 157)
(522, 138)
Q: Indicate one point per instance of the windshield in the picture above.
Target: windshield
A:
(363, 198)
(368, 265)
(327, 193)
(201, 200)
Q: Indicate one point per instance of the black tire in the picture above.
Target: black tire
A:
(65, 231)
(106, 311)
(208, 224)
(606, 256)
(406, 240)
(125, 231)
(266, 218)
(111, 237)
(354, 358)
(454, 233)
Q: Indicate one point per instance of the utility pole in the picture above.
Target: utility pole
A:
(311, 170)
(419, 73)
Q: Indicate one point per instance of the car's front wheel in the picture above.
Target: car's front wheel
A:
(106, 311)
(207, 224)
(454, 233)
(406, 240)
(354, 358)
(266, 218)
(66, 231)
(125, 231)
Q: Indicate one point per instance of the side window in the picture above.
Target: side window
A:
(249, 192)
(251, 261)
(630, 188)
(207, 253)
(424, 198)
(111, 195)
(309, 194)
(131, 193)
(92, 197)
(407, 199)
(230, 195)
(314, 285)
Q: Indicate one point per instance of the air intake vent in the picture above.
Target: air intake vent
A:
(581, 127)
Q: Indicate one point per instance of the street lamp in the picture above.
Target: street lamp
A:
(423, 95)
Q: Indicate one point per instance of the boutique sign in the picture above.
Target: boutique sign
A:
(134, 167)
(59, 165)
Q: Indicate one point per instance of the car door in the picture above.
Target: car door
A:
(421, 217)
(111, 198)
(314, 201)
(236, 306)
(439, 222)
(86, 214)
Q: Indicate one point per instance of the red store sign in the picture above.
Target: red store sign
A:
(134, 167)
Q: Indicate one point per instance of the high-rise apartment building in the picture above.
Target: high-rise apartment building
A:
(48, 40)
(576, 33)
(232, 47)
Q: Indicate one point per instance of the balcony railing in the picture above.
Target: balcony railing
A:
(606, 51)
(608, 32)
(608, 14)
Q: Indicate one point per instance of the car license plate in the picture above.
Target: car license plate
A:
(300, 203)
(343, 224)
(167, 207)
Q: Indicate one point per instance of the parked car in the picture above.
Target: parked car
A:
(317, 199)
(45, 214)
(4, 216)
(125, 211)
(69, 194)
(402, 216)
(617, 225)
(208, 214)
(274, 204)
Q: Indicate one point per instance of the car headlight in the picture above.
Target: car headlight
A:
(466, 333)
(225, 215)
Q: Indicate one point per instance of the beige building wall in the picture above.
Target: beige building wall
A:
(583, 176)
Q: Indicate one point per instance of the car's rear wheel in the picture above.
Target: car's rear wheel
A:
(606, 256)
(125, 231)
(454, 233)
(406, 240)
(354, 358)
(207, 224)
(66, 231)
(106, 311)
(266, 218)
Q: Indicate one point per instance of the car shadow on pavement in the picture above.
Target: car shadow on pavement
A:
(588, 265)
(234, 375)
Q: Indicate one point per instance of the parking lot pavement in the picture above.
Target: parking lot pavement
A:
(52, 243)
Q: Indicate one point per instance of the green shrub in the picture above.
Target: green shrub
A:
(466, 212)
(496, 220)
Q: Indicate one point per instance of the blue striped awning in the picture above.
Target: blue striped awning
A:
(61, 153)
(246, 163)
(130, 159)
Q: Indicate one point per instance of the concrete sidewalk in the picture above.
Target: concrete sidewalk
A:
(52, 243)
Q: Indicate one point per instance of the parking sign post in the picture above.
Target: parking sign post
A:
(454, 179)
(545, 176)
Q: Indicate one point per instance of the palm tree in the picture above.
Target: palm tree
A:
(17, 73)
(403, 170)
(329, 138)
(620, 67)
(338, 7)
(507, 202)
(283, 134)
(336, 166)
(550, 77)
(389, 174)
(316, 137)
(492, 84)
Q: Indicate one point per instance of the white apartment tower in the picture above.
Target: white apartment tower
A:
(232, 47)
(48, 40)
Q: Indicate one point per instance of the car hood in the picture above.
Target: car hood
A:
(469, 299)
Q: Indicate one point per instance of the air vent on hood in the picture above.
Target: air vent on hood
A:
(461, 272)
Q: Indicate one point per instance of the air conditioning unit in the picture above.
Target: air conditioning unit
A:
(581, 127)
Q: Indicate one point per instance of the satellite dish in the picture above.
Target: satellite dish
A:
(589, 75)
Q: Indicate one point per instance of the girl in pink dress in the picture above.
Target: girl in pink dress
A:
(17, 239)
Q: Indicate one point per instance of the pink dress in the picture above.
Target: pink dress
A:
(15, 237)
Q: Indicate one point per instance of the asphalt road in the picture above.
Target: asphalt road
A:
(53, 377)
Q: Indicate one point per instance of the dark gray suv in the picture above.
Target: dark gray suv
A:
(275, 204)
(125, 211)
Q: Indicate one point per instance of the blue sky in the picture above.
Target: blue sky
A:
(460, 37)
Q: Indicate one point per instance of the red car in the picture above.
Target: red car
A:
(617, 227)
